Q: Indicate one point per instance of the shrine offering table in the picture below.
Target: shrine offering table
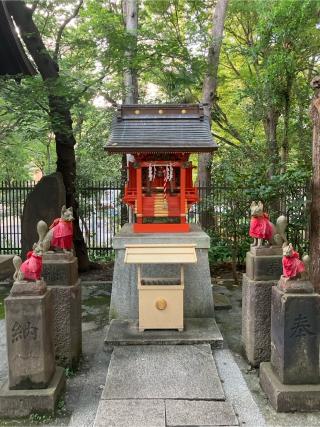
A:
(198, 300)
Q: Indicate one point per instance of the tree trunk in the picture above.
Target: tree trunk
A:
(59, 114)
(211, 81)
(130, 79)
(284, 152)
(270, 128)
(315, 188)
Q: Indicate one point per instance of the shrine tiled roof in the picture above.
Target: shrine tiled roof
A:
(160, 128)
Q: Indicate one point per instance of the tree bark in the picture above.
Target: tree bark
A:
(211, 81)
(130, 78)
(270, 128)
(59, 114)
(315, 187)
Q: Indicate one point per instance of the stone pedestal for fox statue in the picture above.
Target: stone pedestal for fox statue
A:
(263, 269)
(291, 379)
(60, 271)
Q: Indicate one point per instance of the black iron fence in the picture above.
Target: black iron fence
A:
(224, 212)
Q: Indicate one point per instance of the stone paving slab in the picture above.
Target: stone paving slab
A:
(199, 412)
(163, 372)
(237, 391)
(131, 413)
(196, 331)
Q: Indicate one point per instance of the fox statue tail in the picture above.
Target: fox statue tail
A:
(44, 235)
(18, 275)
(280, 237)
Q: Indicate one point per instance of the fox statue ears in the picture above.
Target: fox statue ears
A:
(260, 204)
(63, 209)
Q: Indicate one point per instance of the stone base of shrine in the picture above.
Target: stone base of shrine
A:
(198, 299)
(22, 403)
(287, 397)
(196, 331)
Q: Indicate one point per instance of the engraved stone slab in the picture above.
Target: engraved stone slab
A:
(60, 269)
(256, 319)
(133, 413)
(163, 372)
(263, 267)
(199, 413)
(66, 301)
(6, 266)
(29, 341)
(294, 337)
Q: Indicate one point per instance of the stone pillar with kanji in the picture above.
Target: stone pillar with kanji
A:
(34, 383)
(291, 380)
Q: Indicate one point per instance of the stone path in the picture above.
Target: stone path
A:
(169, 385)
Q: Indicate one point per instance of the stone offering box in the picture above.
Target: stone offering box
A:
(160, 298)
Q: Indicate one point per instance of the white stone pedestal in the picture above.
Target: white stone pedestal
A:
(198, 300)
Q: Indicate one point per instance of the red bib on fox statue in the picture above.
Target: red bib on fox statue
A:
(261, 227)
(292, 265)
(62, 234)
(32, 267)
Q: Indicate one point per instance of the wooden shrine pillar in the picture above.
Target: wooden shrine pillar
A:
(139, 195)
(182, 195)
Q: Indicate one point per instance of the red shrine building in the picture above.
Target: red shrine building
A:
(159, 140)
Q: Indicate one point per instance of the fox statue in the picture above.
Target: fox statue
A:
(261, 228)
(60, 234)
(293, 266)
(31, 268)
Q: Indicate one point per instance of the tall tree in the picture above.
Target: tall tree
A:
(59, 112)
(315, 190)
(211, 80)
(130, 78)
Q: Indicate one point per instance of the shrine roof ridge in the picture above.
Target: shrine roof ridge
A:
(160, 127)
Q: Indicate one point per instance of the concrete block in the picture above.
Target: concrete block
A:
(67, 324)
(256, 319)
(264, 267)
(60, 269)
(294, 337)
(6, 266)
(163, 372)
(198, 300)
(133, 413)
(199, 413)
(196, 331)
(22, 403)
(288, 397)
(30, 348)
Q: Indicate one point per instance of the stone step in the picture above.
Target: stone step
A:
(163, 372)
(196, 331)
(159, 386)
(162, 413)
